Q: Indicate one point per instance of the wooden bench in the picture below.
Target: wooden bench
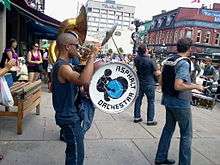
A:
(26, 97)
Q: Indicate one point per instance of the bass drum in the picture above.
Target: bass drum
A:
(114, 87)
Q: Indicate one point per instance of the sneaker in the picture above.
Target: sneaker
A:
(138, 120)
(151, 123)
(1, 157)
(167, 161)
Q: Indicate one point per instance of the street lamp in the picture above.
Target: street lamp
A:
(137, 23)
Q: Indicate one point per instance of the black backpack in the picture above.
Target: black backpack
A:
(168, 74)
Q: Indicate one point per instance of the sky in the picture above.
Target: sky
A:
(145, 9)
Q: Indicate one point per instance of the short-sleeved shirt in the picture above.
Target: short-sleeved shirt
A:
(182, 72)
(145, 67)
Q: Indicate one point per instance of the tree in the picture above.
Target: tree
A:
(110, 51)
(121, 50)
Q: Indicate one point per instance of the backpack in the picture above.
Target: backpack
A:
(168, 74)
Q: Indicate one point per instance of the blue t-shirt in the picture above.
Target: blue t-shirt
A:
(182, 72)
(145, 70)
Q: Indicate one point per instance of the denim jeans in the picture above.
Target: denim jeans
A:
(74, 137)
(86, 112)
(184, 119)
(149, 91)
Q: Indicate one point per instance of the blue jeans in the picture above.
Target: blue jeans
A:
(149, 91)
(74, 137)
(184, 119)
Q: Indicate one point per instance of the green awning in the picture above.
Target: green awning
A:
(6, 3)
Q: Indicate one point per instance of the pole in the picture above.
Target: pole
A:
(115, 45)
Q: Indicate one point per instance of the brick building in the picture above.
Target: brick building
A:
(200, 24)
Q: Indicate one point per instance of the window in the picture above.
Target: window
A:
(175, 36)
(93, 29)
(103, 11)
(103, 20)
(217, 39)
(189, 34)
(111, 21)
(167, 37)
(171, 37)
(95, 10)
(102, 24)
(95, 14)
(89, 9)
(169, 20)
(94, 23)
(199, 35)
(207, 37)
(182, 33)
(111, 12)
(111, 16)
(103, 16)
(96, 19)
(126, 14)
(157, 37)
(118, 13)
(126, 19)
(159, 22)
(126, 23)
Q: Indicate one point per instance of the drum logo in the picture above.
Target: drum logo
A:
(114, 88)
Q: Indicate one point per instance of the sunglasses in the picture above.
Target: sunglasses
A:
(36, 46)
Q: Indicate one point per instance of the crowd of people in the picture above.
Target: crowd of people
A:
(177, 78)
(29, 67)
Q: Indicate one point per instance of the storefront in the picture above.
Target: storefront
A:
(26, 25)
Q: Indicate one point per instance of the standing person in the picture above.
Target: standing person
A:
(45, 64)
(9, 54)
(176, 89)
(146, 70)
(65, 82)
(34, 59)
(195, 68)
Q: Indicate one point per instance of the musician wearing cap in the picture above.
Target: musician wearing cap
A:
(65, 83)
(209, 71)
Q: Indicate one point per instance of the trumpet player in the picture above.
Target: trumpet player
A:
(65, 84)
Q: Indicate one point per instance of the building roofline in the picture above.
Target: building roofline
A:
(110, 3)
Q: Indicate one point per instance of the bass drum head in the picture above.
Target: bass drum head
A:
(114, 87)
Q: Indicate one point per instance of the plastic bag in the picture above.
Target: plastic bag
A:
(6, 98)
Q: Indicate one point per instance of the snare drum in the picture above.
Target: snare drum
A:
(200, 100)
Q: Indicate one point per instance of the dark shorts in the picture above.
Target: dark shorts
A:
(36, 69)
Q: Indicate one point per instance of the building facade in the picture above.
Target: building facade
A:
(102, 16)
(202, 25)
(26, 24)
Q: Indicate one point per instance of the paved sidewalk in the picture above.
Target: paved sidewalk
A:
(112, 140)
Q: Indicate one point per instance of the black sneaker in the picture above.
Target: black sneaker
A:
(167, 161)
(138, 120)
(1, 157)
(151, 123)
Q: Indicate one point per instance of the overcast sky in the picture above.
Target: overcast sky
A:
(145, 9)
